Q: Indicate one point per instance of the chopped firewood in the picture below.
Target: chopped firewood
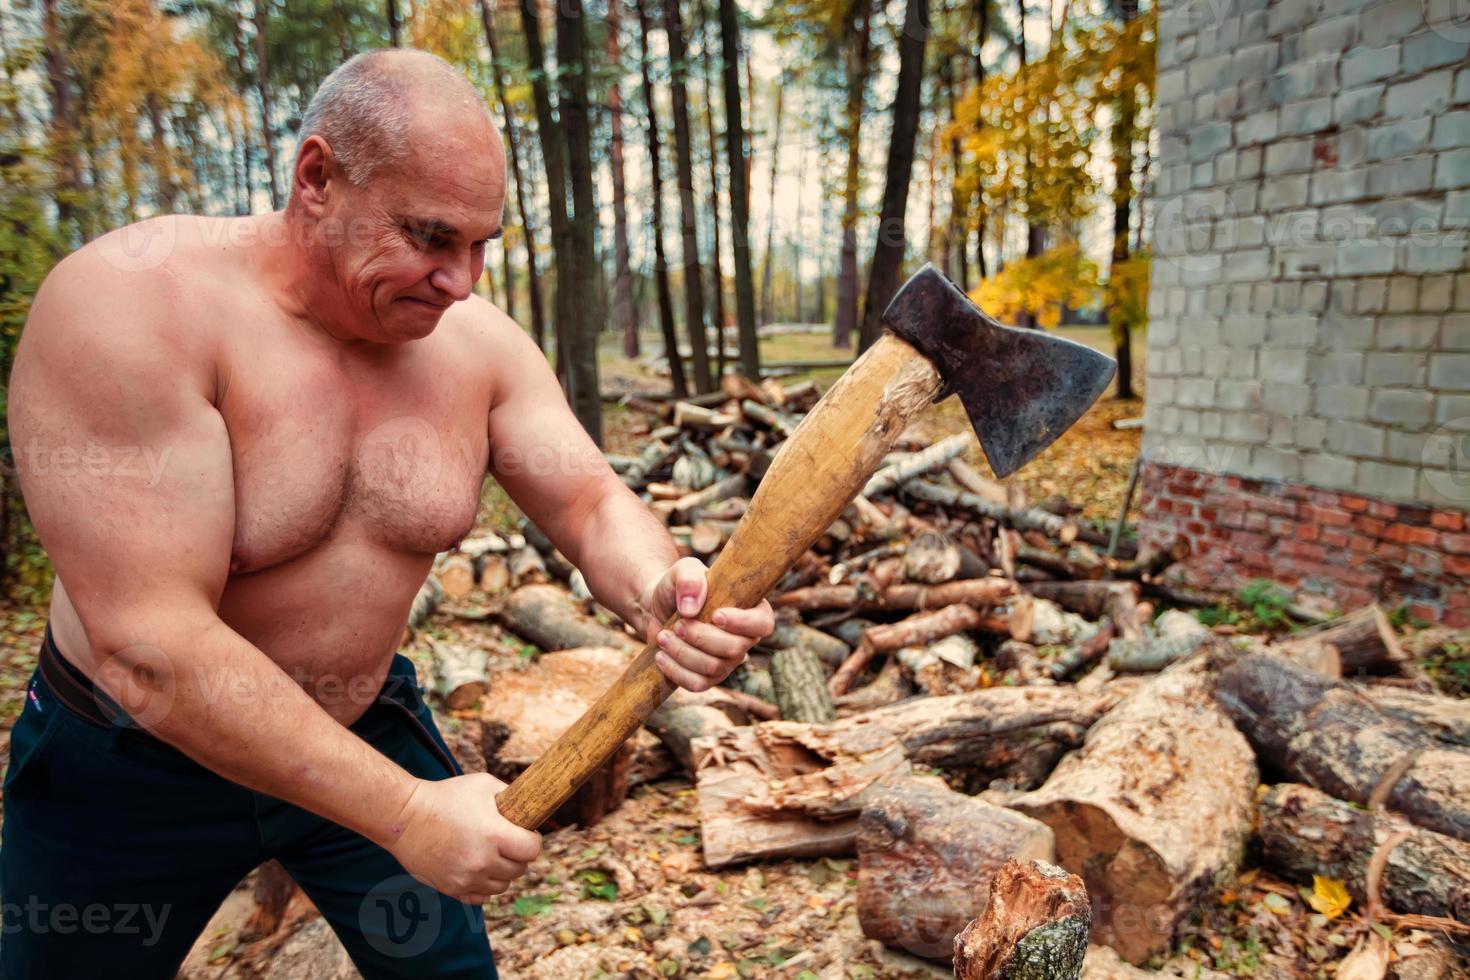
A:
(549, 617)
(1173, 636)
(460, 673)
(1034, 927)
(457, 574)
(1021, 662)
(430, 594)
(781, 789)
(829, 649)
(1152, 809)
(926, 859)
(706, 536)
(931, 559)
(800, 686)
(686, 716)
(1444, 718)
(690, 416)
(889, 687)
(1088, 599)
(975, 592)
(1029, 519)
(495, 574)
(654, 455)
(1051, 625)
(935, 457)
(695, 471)
(1304, 832)
(1330, 735)
(1083, 652)
(769, 417)
(986, 489)
(924, 627)
(688, 506)
(527, 567)
(1364, 639)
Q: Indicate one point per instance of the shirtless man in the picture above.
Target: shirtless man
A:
(242, 441)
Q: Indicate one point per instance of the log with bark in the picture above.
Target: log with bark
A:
(1020, 519)
(920, 628)
(1330, 735)
(903, 597)
(801, 686)
(1304, 832)
(549, 617)
(926, 859)
(1173, 636)
(456, 574)
(460, 676)
(1444, 718)
(933, 458)
(1364, 639)
(783, 789)
(829, 649)
(1153, 810)
(1033, 928)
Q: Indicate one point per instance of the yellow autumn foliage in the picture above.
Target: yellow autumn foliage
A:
(1060, 276)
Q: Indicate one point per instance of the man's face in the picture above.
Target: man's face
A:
(415, 234)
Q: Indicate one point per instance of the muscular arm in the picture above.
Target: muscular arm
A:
(554, 472)
(106, 372)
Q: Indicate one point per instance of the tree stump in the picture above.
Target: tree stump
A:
(1152, 809)
(801, 688)
(926, 859)
(1033, 928)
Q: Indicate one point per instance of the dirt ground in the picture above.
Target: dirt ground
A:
(630, 897)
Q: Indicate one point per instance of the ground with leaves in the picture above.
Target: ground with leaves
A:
(630, 897)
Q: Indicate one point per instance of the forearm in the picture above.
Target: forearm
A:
(221, 701)
(622, 551)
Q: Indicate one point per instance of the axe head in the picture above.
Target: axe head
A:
(1021, 388)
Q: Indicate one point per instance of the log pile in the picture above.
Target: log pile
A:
(963, 686)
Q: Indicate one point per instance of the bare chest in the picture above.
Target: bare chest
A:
(394, 459)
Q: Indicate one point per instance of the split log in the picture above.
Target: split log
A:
(829, 649)
(531, 707)
(1173, 636)
(782, 789)
(753, 679)
(1444, 718)
(683, 510)
(688, 715)
(1060, 529)
(698, 417)
(920, 628)
(987, 489)
(935, 457)
(926, 859)
(975, 592)
(1090, 600)
(1021, 660)
(931, 559)
(946, 666)
(457, 574)
(694, 471)
(1304, 832)
(776, 421)
(707, 537)
(1011, 733)
(460, 674)
(1152, 809)
(547, 616)
(654, 455)
(1033, 928)
(1051, 625)
(800, 686)
(1330, 735)
(1364, 639)
(891, 686)
(1080, 654)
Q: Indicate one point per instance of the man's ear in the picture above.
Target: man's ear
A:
(316, 165)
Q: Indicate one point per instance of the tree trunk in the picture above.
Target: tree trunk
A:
(888, 252)
(263, 95)
(1125, 113)
(624, 319)
(243, 73)
(61, 135)
(926, 859)
(512, 145)
(768, 269)
(395, 29)
(801, 688)
(717, 275)
(1152, 809)
(1327, 734)
(982, 35)
(957, 237)
(1033, 928)
(750, 364)
(1304, 832)
(586, 311)
(693, 288)
(660, 260)
(856, 49)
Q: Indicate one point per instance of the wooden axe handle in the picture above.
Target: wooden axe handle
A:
(818, 471)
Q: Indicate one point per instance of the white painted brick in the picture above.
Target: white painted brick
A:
(1332, 35)
(1455, 333)
(1237, 394)
(1274, 464)
(1257, 127)
(1369, 64)
(1452, 169)
(1247, 330)
(1404, 447)
(1440, 256)
(1343, 368)
(1278, 193)
(1391, 19)
(1401, 177)
(1457, 209)
(1284, 15)
(1436, 295)
(1333, 186)
(1249, 164)
(1340, 402)
(1450, 371)
(1310, 116)
(1354, 438)
(1434, 49)
(1429, 94)
(1392, 140)
(1287, 399)
(1340, 332)
(1386, 480)
(1452, 130)
(1452, 412)
(1255, 60)
(1462, 86)
(1289, 157)
(1320, 469)
(1206, 73)
(1311, 433)
(1247, 428)
(1253, 265)
(1406, 333)
(1284, 366)
(1170, 86)
(1396, 406)
(1365, 259)
(1357, 105)
(1404, 369)
(1308, 261)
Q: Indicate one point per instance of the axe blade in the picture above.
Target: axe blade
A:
(1021, 388)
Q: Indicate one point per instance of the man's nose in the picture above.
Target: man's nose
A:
(457, 278)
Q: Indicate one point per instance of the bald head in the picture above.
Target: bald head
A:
(367, 110)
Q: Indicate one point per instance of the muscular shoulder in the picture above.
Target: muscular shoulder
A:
(140, 291)
(480, 329)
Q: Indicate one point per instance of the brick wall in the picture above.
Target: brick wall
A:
(1310, 294)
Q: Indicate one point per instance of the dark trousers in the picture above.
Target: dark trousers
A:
(116, 848)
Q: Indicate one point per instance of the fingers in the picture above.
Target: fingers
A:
(755, 622)
(519, 845)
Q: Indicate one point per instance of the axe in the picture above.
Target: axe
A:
(1021, 388)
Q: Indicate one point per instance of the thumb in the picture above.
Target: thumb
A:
(689, 586)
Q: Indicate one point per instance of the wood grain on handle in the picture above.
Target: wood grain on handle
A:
(816, 474)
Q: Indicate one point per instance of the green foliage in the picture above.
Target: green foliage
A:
(597, 884)
(1260, 607)
(532, 904)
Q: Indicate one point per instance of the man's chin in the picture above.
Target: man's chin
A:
(412, 318)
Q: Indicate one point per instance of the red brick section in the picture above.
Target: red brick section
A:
(1354, 550)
